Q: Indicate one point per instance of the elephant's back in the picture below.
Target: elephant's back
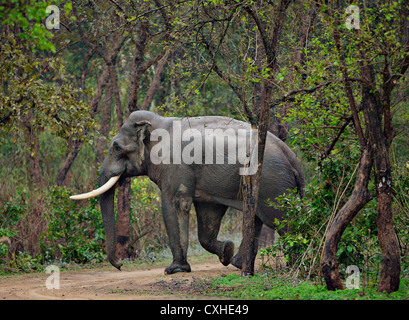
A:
(212, 122)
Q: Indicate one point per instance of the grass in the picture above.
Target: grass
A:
(271, 286)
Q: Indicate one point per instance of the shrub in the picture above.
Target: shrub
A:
(309, 217)
(272, 286)
(74, 230)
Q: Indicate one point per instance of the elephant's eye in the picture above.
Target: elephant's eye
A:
(117, 147)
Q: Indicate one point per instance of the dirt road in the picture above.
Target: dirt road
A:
(144, 284)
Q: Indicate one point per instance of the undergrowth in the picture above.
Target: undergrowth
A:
(269, 285)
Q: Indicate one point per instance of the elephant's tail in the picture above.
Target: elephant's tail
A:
(299, 180)
(294, 164)
(296, 168)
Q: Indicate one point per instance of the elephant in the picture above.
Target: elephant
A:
(142, 148)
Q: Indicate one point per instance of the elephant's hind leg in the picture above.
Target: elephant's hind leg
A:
(209, 217)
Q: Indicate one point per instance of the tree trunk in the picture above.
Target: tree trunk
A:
(139, 67)
(123, 221)
(374, 150)
(104, 129)
(307, 21)
(75, 146)
(35, 162)
(249, 213)
(359, 197)
(252, 184)
(390, 272)
(124, 189)
(155, 83)
(137, 71)
(34, 149)
(115, 93)
(377, 112)
(250, 203)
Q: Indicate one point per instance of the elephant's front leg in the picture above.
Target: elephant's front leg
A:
(175, 212)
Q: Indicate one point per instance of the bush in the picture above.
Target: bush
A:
(75, 231)
(148, 233)
(272, 286)
(308, 219)
(20, 226)
(46, 226)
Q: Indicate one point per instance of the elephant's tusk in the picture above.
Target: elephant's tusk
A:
(94, 193)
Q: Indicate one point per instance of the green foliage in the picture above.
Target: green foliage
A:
(309, 217)
(27, 95)
(28, 17)
(322, 130)
(73, 233)
(7, 234)
(12, 213)
(308, 220)
(271, 286)
(148, 234)
(39, 95)
(13, 218)
(67, 232)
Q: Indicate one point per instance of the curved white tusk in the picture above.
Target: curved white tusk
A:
(94, 193)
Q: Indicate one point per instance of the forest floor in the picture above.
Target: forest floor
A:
(135, 281)
(208, 280)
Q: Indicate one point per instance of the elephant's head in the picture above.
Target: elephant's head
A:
(125, 158)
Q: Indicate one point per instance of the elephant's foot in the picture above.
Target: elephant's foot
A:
(237, 261)
(228, 251)
(177, 267)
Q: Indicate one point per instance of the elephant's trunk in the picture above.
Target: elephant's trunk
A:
(106, 201)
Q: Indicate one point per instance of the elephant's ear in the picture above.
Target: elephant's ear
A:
(144, 129)
(143, 133)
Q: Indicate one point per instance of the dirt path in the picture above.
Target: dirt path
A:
(144, 284)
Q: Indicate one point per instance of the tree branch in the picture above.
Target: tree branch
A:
(153, 87)
(290, 96)
(334, 141)
(249, 114)
(348, 90)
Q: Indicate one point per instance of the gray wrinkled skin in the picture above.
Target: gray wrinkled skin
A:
(211, 188)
